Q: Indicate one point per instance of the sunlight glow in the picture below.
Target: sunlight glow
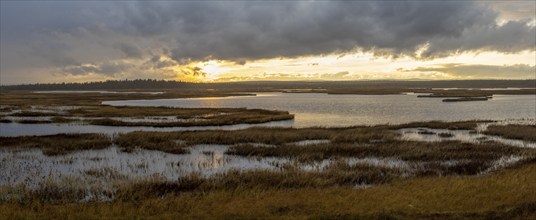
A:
(354, 66)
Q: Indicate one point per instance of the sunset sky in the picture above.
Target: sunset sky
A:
(214, 41)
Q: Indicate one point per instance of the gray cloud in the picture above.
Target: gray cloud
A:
(110, 68)
(245, 31)
(130, 51)
(67, 34)
(518, 71)
(80, 70)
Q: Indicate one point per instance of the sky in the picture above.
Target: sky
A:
(221, 41)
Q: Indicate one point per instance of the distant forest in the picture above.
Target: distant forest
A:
(109, 84)
(152, 84)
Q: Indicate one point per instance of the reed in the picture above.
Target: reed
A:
(58, 144)
(508, 194)
(521, 132)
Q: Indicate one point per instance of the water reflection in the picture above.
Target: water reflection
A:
(438, 135)
(319, 109)
(31, 167)
(16, 129)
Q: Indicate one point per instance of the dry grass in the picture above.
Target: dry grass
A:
(100, 115)
(270, 135)
(405, 150)
(240, 116)
(157, 142)
(458, 125)
(58, 144)
(27, 98)
(521, 132)
(509, 194)
(260, 180)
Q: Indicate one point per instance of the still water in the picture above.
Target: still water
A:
(319, 109)
(16, 129)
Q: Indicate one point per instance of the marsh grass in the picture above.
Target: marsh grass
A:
(27, 98)
(405, 150)
(247, 116)
(3, 120)
(28, 113)
(58, 144)
(458, 125)
(275, 136)
(162, 142)
(105, 115)
(521, 132)
(445, 135)
(290, 178)
(508, 194)
(30, 121)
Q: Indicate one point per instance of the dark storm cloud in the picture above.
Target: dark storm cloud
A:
(519, 71)
(130, 51)
(67, 34)
(255, 30)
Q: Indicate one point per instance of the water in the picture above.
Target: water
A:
(112, 163)
(319, 109)
(104, 168)
(316, 109)
(16, 129)
(433, 135)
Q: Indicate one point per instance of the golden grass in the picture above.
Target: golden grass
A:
(508, 194)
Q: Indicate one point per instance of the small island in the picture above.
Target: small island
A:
(467, 99)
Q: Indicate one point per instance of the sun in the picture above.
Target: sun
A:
(212, 68)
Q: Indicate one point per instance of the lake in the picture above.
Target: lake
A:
(319, 109)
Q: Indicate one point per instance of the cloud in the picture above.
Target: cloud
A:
(518, 71)
(193, 71)
(155, 67)
(67, 35)
(130, 51)
(339, 75)
(258, 30)
(112, 68)
(289, 76)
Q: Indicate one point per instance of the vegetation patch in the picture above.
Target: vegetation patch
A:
(58, 144)
(521, 132)
(120, 115)
(459, 125)
(508, 194)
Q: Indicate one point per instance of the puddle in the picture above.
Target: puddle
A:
(99, 173)
(438, 135)
(32, 118)
(310, 142)
(392, 163)
(258, 144)
(31, 167)
(504, 162)
(102, 169)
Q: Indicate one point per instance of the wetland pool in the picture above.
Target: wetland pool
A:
(324, 110)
